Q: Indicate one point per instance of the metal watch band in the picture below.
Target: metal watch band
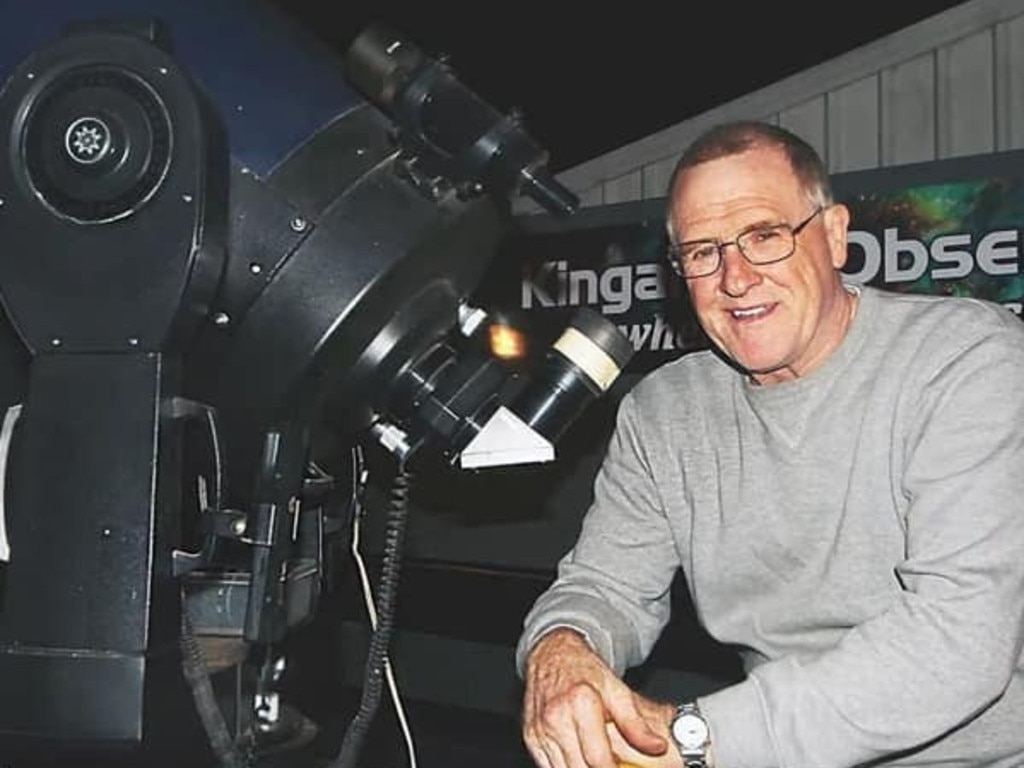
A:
(693, 757)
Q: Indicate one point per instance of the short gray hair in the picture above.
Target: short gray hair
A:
(738, 136)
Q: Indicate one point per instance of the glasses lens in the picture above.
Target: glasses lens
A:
(697, 259)
(767, 244)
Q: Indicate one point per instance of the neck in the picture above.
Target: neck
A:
(837, 327)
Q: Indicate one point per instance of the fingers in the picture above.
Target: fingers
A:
(624, 751)
(571, 694)
(567, 730)
(644, 724)
(597, 727)
(630, 757)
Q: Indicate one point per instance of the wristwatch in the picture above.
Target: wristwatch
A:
(692, 735)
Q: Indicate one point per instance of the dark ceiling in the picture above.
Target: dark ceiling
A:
(588, 83)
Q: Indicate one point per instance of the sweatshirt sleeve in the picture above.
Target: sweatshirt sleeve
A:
(614, 584)
(946, 649)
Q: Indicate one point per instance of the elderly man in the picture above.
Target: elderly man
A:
(841, 480)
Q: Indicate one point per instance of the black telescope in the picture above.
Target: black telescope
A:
(220, 246)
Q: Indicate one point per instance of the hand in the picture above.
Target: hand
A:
(628, 757)
(572, 697)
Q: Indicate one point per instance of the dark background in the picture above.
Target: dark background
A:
(592, 78)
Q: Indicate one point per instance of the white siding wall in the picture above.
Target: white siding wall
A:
(949, 86)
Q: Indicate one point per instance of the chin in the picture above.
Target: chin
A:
(757, 363)
(758, 367)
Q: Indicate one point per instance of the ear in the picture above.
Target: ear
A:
(837, 222)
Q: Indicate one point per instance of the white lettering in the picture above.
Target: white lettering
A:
(582, 286)
(614, 289)
(950, 257)
(531, 289)
(650, 282)
(871, 252)
(997, 253)
(945, 251)
(637, 333)
(894, 248)
(658, 335)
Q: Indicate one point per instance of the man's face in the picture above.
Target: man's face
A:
(777, 321)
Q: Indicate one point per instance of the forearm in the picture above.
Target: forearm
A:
(614, 584)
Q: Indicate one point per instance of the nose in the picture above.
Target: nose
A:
(737, 274)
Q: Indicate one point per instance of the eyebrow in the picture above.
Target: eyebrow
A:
(763, 223)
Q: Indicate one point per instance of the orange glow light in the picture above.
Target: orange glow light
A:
(507, 343)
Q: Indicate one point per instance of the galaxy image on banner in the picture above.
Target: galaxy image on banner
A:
(958, 238)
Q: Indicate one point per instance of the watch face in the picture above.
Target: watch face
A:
(690, 731)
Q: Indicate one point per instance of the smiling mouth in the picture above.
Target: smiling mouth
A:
(750, 313)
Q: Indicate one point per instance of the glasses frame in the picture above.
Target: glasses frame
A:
(720, 247)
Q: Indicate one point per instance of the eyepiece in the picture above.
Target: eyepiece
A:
(581, 366)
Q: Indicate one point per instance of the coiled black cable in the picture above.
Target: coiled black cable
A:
(229, 754)
(380, 639)
(226, 750)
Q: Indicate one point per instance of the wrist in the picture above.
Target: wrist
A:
(691, 735)
(560, 635)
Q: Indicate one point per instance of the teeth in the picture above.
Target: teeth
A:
(749, 312)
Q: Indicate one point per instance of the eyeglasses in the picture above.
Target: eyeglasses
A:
(760, 245)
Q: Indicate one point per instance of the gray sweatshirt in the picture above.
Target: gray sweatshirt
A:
(857, 533)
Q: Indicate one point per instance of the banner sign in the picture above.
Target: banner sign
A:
(951, 227)
(945, 227)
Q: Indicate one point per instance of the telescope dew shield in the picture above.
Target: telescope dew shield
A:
(579, 367)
